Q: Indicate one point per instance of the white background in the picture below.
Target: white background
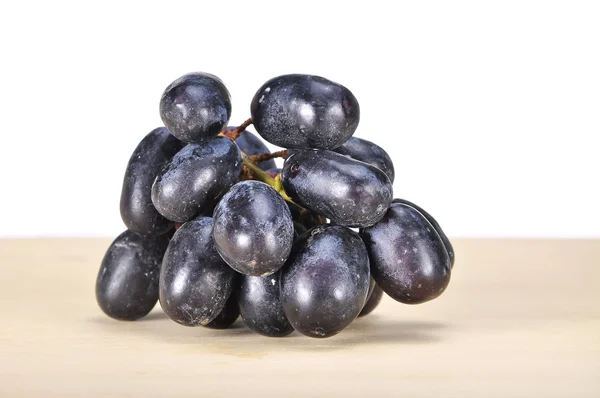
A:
(490, 110)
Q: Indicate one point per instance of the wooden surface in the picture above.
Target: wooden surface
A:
(520, 319)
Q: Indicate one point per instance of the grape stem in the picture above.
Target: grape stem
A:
(235, 133)
(266, 156)
(260, 175)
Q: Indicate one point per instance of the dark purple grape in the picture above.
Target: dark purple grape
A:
(150, 156)
(127, 284)
(250, 144)
(228, 315)
(373, 301)
(195, 178)
(368, 152)
(408, 258)
(253, 229)
(303, 111)
(195, 107)
(325, 281)
(348, 192)
(260, 307)
(435, 225)
(195, 283)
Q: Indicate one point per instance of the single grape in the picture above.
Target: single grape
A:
(325, 281)
(303, 111)
(260, 307)
(253, 229)
(150, 156)
(228, 315)
(250, 144)
(127, 284)
(368, 152)
(195, 283)
(408, 258)
(373, 301)
(195, 107)
(195, 178)
(434, 224)
(348, 192)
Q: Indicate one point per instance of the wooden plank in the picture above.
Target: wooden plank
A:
(521, 318)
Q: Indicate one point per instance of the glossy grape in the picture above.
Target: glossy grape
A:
(253, 229)
(435, 225)
(372, 301)
(195, 283)
(250, 144)
(348, 192)
(196, 176)
(408, 258)
(260, 306)
(127, 283)
(303, 111)
(368, 152)
(150, 156)
(195, 107)
(325, 282)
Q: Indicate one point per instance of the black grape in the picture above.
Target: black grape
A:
(434, 224)
(324, 283)
(368, 152)
(228, 315)
(373, 301)
(195, 283)
(150, 156)
(195, 107)
(196, 176)
(303, 111)
(127, 284)
(260, 307)
(250, 144)
(253, 229)
(408, 258)
(348, 192)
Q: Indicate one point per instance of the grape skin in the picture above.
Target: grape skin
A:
(195, 107)
(195, 178)
(150, 156)
(408, 258)
(229, 314)
(304, 111)
(434, 224)
(127, 283)
(348, 192)
(325, 281)
(368, 152)
(253, 229)
(195, 283)
(260, 306)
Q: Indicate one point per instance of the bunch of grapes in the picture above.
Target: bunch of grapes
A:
(215, 230)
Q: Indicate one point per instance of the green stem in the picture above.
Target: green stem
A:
(260, 175)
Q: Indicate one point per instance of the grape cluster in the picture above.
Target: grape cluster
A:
(215, 230)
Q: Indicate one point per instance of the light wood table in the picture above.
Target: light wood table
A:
(521, 318)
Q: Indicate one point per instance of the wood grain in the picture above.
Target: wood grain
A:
(521, 318)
